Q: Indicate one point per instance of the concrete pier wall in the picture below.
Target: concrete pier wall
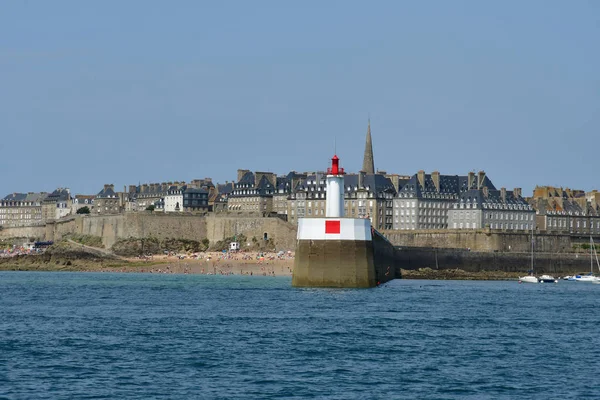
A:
(472, 261)
(345, 263)
(334, 263)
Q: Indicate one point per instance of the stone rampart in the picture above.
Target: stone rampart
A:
(36, 232)
(141, 225)
(480, 240)
(472, 261)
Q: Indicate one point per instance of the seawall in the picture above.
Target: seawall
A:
(484, 240)
(473, 261)
(111, 228)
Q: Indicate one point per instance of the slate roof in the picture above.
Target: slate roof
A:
(26, 197)
(449, 184)
(373, 183)
(493, 200)
(59, 195)
(225, 188)
(107, 192)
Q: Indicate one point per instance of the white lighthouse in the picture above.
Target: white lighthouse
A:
(337, 251)
(335, 190)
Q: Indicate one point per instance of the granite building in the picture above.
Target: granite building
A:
(253, 193)
(22, 209)
(424, 200)
(107, 201)
(365, 196)
(494, 209)
(565, 210)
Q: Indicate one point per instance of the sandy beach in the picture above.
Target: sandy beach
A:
(211, 263)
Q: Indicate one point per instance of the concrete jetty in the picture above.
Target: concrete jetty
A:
(342, 252)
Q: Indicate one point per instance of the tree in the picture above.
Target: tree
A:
(205, 243)
(150, 208)
(83, 210)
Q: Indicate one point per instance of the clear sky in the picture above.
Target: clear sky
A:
(130, 92)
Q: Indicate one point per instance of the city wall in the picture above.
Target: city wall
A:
(111, 228)
(472, 261)
(481, 240)
(35, 232)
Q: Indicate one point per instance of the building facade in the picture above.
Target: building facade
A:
(493, 209)
(561, 210)
(365, 196)
(253, 193)
(107, 201)
(57, 205)
(22, 209)
(424, 200)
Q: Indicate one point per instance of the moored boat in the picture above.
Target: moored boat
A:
(547, 279)
(528, 279)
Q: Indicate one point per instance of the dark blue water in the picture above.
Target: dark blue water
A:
(138, 336)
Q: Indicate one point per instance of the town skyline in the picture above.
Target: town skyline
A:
(149, 92)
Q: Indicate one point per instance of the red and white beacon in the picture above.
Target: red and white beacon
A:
(335, 190)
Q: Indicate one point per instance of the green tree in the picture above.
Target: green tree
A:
(205, 243)
(150, 208)
(83, 210)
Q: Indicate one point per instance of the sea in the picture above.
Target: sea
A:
(150, 336)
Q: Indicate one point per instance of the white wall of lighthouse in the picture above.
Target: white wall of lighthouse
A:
(335, 196)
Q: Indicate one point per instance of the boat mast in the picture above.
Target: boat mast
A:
(596, 254)
(531, 249)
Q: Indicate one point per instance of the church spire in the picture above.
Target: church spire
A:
(368, 163)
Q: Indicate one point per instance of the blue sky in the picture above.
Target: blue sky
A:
(126, 92)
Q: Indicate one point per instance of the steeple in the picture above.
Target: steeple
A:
(368, 163)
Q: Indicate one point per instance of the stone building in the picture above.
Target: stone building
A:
(365, 196)
(80, 201)
(218, 199)
(565, 210)
(57, 205)
(253, 193)
(285, 186)
(146, 195)
(195, 200)
(173, 198)
(494, 209)
(107, 201)
(424, 200)
(22, 209)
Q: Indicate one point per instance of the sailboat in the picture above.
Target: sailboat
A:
(531, 278)
(589, 277)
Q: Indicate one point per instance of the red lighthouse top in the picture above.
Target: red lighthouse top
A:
(335, 167)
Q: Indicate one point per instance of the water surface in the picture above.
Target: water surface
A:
(144, 336)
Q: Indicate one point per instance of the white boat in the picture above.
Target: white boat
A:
(528, 279)
(589, 278)
(547, 279)
(531, 278)
(585, 278)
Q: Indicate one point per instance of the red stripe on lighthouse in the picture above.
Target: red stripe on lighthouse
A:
(332, 227)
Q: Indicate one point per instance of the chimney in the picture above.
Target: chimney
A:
(106, 186)
(470, 180)
(486, 192)
(421, 178)
(503, 194)
(480, 179)
(435, 176)
(361, 179)
(241, 173)
(131, 188)
(517, 192)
